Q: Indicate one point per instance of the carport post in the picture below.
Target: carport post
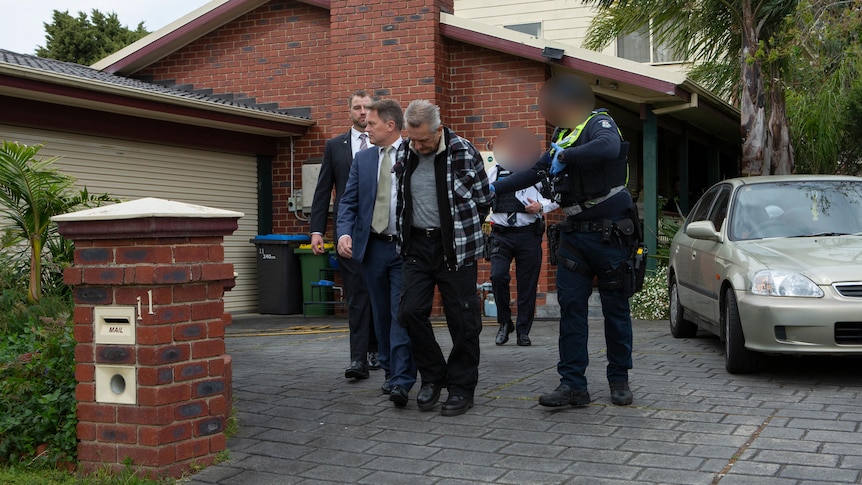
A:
(650, 172)
(682, 171)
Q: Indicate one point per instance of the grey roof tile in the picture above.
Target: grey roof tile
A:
(73, 70)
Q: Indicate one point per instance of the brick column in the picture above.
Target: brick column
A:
(123, 254)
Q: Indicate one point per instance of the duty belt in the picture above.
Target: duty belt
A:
(585, 226)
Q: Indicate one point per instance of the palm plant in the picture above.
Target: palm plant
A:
(31, 192)
(730, 45)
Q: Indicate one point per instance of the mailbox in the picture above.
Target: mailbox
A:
(114, 324)
(116, 384)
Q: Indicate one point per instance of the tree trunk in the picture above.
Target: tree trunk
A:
(35, 290)
(755, 152)
(780, 145)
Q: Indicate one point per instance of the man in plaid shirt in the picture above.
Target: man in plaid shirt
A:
(443, 198)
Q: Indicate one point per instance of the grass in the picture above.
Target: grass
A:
(29, 476)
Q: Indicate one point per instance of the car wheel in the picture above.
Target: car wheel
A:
(737, 359)
(679, 326)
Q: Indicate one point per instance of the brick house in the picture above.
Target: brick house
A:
(306, 56)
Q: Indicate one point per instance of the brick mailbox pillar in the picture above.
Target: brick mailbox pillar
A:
(153, 378)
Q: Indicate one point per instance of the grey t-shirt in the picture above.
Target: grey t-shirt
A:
(423, 187)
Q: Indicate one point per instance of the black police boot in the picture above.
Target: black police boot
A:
(564, 395)
(621, 395)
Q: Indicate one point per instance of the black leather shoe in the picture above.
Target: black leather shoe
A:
(524, 340)
(373, 361)
(428, 396)
(503, 333)
(621, 395)
(398, 396)
(387, 386)
(357, 370)
(456, 405)
(564, 395)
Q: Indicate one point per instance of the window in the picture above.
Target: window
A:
(719, 208)
(532, 28)
(640, 46)
(701, 210)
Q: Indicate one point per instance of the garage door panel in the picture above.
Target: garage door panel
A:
(131, 170)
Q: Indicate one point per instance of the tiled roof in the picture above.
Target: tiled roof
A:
(73, 70)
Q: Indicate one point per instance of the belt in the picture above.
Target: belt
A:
(425, 232)
(583, 226)
(516, 229)
(384, 237)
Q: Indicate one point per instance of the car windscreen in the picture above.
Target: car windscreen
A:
(797, 209)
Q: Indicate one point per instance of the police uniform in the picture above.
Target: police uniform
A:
(516, 234)
(597, 239)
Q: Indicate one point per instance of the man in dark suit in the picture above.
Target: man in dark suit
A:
(337, 157)
(366, 233)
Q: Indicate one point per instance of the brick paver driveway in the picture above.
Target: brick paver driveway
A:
(798, 421)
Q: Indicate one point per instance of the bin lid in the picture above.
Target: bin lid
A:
(306, 248)
(280, 238)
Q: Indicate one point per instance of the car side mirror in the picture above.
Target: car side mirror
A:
(703, 230)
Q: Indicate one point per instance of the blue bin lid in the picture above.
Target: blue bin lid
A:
(282, 237)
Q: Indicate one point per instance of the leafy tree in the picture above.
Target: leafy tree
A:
(86, 40)
(821, 43)
(727, 40)
(31, 192)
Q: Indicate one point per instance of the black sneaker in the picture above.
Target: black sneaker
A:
(564, 395)
(620, 393)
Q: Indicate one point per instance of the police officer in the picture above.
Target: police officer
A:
(587, 164)
(517, 228)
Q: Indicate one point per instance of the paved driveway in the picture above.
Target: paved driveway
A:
(798, 421)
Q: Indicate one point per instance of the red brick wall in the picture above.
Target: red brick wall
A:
(300, 55)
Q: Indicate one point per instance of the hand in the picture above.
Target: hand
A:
(345, 247)
(534, 207)
(557, 166)
(317, 244)
(557, 148)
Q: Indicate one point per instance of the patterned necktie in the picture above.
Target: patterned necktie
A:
(380, 218)
(362, 143)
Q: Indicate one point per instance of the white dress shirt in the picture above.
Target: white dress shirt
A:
(355, 141)
(522, 218)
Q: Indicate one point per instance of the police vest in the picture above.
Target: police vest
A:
(506, 203)
(584, 180)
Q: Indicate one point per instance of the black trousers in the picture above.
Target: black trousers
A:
(360, 322)
(424, 268)
(525, 248)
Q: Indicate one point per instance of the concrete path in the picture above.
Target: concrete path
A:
(798, 421)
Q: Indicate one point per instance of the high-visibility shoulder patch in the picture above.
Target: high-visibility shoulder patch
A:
(605, 123)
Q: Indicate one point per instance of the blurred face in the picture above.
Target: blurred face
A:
(380, 133)
(517, 149)
(423, 139)
(359, 111)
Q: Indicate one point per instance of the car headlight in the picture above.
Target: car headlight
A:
(779, 283)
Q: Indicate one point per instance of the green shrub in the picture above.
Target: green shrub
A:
(652, 302)
(37, 383)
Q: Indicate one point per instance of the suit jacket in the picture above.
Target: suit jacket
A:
(337, 158)
(357, 204)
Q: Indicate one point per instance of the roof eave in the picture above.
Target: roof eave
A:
(124, 99)
(175, 35)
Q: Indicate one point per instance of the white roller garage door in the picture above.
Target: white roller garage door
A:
(130, 170)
